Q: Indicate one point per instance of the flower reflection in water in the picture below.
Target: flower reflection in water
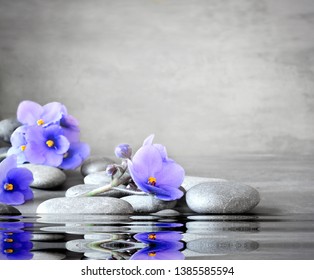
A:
(15, 243)
(164, 245)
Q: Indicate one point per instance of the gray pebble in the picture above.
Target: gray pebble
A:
(45, 177)
(97, 178)
(3, 153)
(8, 210)
(223, 246)
(167, 213)
(47, 236)
(95, 164)
(191, 181)
(147, 203)
(222, 197)
(84, 205)
(7, 127)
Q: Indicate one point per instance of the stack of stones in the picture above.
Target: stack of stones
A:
(201, 195)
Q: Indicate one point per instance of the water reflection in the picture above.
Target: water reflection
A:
(159, 246)
(15, 243)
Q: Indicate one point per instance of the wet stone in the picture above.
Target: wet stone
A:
(167, 213)
(47, 236)
(191, 181)
(41, 255)
(98, 178)
(85, 205)
(7, 127)
(8, 210)
(222, 198)
(147, 203)
(95, 164)
(45, 177)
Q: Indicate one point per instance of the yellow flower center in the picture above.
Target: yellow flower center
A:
(152, 254)
(152, 181)
(40, 122)
(50, 143)
(8, 187)
(8, 251)
(23, 147)
(152, 236)
(9, 240)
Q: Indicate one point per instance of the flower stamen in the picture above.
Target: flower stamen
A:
(152, 254)
(152, 181)
(8, 240)
(50, 143)
(40, 122)
(8, 251)
(8, 187)
(152, 236)
(23, 147)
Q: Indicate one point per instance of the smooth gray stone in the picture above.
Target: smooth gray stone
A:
(8, 210)
(78, 245)
(95, 164)
(222, 197)
(191, 181)
(3, 152)
(97, 178)
(216, 245)
(7, 127)
(147, 203)
(167, 213)
(45, 177)
(85, 205)
(84, 188)
(47, 236)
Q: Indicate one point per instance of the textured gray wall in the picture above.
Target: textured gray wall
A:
(206, 76)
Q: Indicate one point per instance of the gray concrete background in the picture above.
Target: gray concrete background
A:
(206, 76)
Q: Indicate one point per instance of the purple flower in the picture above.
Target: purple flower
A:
(19, 144)
(153, 172)
(14, 182)
(31, 113)
(70, 127)
(164, 245)
(123, 151)
(75, 155)
(46, 145)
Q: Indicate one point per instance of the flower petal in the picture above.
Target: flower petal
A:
(149, 140)
(62, 144)
(52, 112)
(171, 174)
(21, 177)
(6, 165)
(29, 112)
(12, 198)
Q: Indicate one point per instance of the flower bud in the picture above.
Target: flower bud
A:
(123, 151)
(111, 170)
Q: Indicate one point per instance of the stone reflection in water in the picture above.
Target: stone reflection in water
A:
(159, 244)
(15, 243)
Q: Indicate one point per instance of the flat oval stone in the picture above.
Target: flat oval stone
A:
(8, 210)
(47, 236)
(147, 203)
(45, 177)
(95, 164)
(191, 181)
(3, 152)
(84, 205)
(97, 178)
(222, 197)
(7, 126)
